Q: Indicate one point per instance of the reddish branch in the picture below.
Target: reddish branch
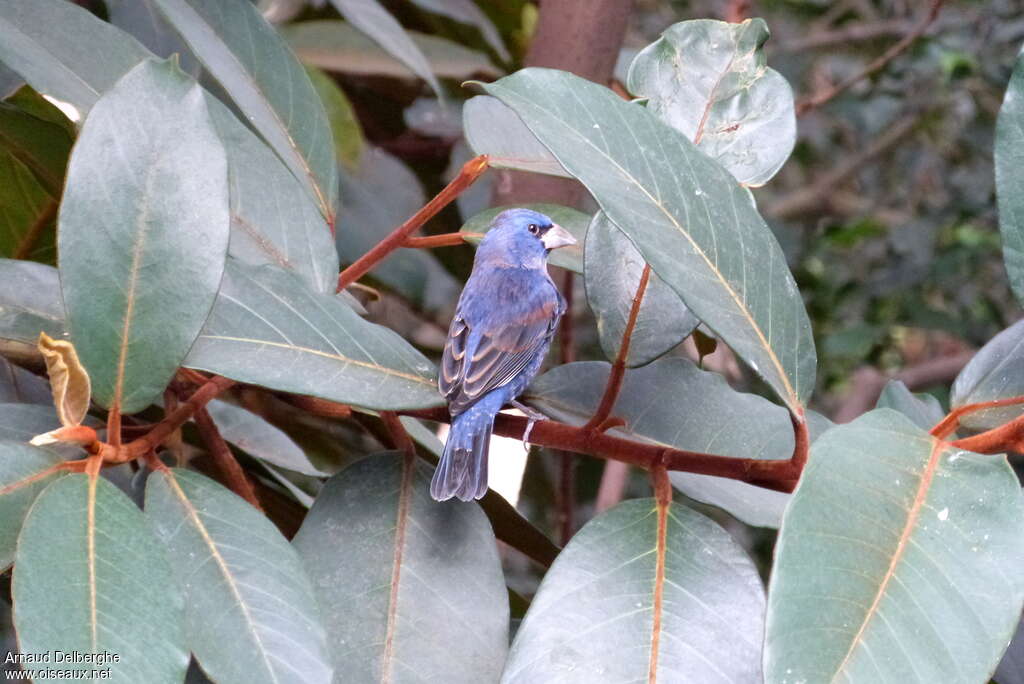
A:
(226, 462)
(951, 422)
(618, 371)
(778, 474)
(1008, 437)
(818, 99)
(471, 170)
(443, 240)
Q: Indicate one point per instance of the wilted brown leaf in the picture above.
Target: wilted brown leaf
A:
(68, 379)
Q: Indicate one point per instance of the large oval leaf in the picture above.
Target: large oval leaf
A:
(272, 219)
(612, 268)
(923, 409)
(372, 19)
(241, 578)
(24, 472)
(895, 560)
(90, 577)
(140, 267)
(338, 46)
(492, 128)
(411, 589)
(688, 217)
(1009, 160)
(36, 46)
(19, 386)
(708, 79)
(674, 403)
(254, 65)
(268, 329)
(995, 372)
(644, 593)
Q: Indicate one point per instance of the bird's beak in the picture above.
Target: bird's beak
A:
(557, 236)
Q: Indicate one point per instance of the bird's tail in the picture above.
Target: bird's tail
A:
(462, 472)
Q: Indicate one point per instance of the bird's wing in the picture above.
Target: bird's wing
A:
(501, 352)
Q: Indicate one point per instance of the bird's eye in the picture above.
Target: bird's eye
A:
(533, 228)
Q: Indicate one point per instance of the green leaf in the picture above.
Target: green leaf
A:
(90, 577)
(1009, 161)
(345, 128)
(19, 386)
(257, 437)
(30, 301)
(21, 422)
(924, 410)
(365, 220)
(272, 219)
(24, 472)
(36, 46)
(690, 220)
(268, 329)
(995, 372)
(28, 214)
(41, 145)
(337, 46)
(466, 12)
(261, 75)
(137, 291)
(644, 593)
(576, 222)
(895, 560)
(708, 80)
(240, 578)
(373, 20)
(612, 267)
(492, 128)
(142, 20)
(411, 589)
(672, 402)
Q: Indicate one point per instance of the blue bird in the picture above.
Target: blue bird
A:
(500, 334)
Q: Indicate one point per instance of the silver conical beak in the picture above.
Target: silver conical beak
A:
(557, 236)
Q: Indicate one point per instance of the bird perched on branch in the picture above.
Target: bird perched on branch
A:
(500, 334)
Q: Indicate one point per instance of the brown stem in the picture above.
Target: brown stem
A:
(31, 238)
(471, 170)
(1007, 437)
(736, 11)
(818, 99)
(114, 426)
(661, 484)
(618, 371)
(778, 474)
(399, 437)
(319, 407)
(155, 437)
(443, 240)
(226, 462)
(951, 422)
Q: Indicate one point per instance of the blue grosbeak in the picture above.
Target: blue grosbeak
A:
(500, 334)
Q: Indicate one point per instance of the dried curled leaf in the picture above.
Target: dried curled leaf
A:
(68, 379)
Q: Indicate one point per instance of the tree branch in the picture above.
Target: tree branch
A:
(951, 422)
(471, 170)
(818, 99)
(780, 474)
(226, 462)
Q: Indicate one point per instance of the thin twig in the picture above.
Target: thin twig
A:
(471, 170)
(225, 460)
(618, 370)
(443, 240)
(951, 422)
(1007, 437)
(818, 99)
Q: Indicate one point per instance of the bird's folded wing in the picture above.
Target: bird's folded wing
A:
(500, 354)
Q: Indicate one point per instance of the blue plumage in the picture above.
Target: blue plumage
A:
(497, 341)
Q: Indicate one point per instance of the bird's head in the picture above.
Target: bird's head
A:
(524, 238)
